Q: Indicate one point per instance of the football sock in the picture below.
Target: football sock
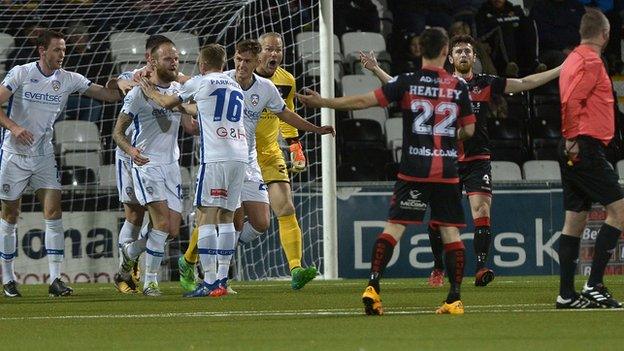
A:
(55, 246)
(454, 255)
(249, 233)
(191, 255)
(290, 237)
(128, 233)
(138, 246)
(568, 258)
(606, 241)
(8, 250)
(207, 248)
(155, 250)
(226, 242)
(482, 240)
(382, 252)
(435, 240)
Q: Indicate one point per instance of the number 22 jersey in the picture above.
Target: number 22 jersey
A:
(434, 105)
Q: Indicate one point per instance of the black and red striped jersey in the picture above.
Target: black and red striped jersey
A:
(482, 87)
(434, 104)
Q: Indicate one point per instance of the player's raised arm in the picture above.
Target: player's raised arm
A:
(166, 101)
(369, 61)
(110, 93)
(313, 99)
(515, 85)
(119, 135)
(23, 135)
(296, 121)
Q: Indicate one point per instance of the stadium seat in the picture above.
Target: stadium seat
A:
(313, 68)
(505, 171)
(541, 170)
(7, 43)
(376, 114)
(80, 136)
(507, 140)
(128, 46)
(354, 42)
(308, 47)
(397, 149)
(76, 175)
(391, 171)
(394, 130)
(348, 172)
(619, 166)
(185, 178)
(505, 129)
(186, 43)
(545, 134)
(363, 132)
(517, 107)
(89, 160)
(546, 107)
(355, 84)
(107, 176)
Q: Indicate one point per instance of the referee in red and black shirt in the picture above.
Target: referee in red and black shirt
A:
(436, 113)
(588, 125)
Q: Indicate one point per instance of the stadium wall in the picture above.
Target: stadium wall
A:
(526, 222)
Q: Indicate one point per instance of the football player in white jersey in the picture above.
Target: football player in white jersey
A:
(223, 156)
(259, 93)
(156, 173)
(37, 93)
(133, 211)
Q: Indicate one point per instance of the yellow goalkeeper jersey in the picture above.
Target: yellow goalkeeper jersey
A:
(270, 124)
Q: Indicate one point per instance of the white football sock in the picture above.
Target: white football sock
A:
(155, 250)
(8, 250)
(55, 246)
(226, 242)
(249, 233)
(207, 248)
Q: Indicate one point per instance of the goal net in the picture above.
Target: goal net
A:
(106, 38)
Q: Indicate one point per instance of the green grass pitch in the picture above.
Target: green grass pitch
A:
(513, 313)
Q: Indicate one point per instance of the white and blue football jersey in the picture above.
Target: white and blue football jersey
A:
(36, 103)
(220, 115)
(262, 94)
(155, 128)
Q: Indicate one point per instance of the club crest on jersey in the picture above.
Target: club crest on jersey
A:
(56, 85)
(6, 188)
(129, 191)
(476, 90)
(149, 190)
(255, 99)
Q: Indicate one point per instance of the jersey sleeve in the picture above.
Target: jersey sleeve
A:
(13, 79)
(498, 85)
(286, 129)
(126, 75)
(189, 88)
(132, 102)
(79, 83)
(465, 115)
(391, 92)
(275, 104)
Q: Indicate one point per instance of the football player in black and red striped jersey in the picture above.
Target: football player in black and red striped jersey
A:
(474, 156)
(436, 113)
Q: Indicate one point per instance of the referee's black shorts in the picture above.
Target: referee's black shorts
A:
(589, 178)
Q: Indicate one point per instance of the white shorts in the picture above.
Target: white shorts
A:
(17, 171)
(219, 184)
(158, 183)
(254, 188)
(125, 185)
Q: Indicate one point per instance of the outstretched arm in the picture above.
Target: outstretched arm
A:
(296, 121)
(109, 94)
(515, 85)
(356, 102)
(369, 61)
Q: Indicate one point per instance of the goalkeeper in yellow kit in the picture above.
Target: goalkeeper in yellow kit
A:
(274, 171)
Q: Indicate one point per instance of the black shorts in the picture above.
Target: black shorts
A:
(589, 178)
(476, 177)
(411, 199)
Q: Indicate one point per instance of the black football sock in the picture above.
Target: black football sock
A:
(606, 241)
(482, 239)
(435, 240)
(454, 255)
(568, 258)
(382, 252)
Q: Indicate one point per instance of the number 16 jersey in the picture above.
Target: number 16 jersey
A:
(434, 105)
(220, 105)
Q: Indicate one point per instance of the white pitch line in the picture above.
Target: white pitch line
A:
(515, 308)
